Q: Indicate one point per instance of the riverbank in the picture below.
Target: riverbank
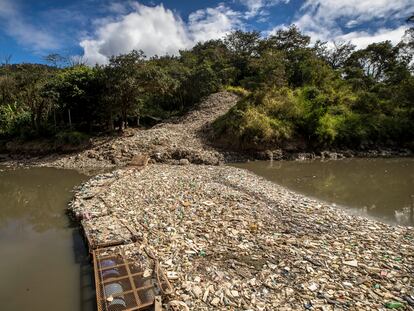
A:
(186, 139)
(232, 239)
(169, 142)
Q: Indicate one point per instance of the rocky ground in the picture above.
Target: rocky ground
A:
(187, 139)
(229, 240)
(183, 138)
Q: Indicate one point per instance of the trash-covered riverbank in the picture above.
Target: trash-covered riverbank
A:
(188, 138)
(168, 142)
(229, 240)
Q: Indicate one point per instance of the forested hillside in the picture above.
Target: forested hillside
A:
(292, 91)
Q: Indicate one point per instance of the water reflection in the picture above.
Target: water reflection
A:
(47, 266)
(36, 196)
(382, 188)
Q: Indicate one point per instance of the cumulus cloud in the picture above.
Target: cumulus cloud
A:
(212, 23)
(25, 33)
(157, 31)
(326, 19)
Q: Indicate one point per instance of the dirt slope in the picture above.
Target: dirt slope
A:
(168, 142)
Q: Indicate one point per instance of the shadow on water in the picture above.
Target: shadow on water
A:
(87, 294)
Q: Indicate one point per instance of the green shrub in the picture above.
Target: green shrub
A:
(7, 119)
(15, 123)
(260, 120)
(238, 90)
(328, 128)
(279, 104)
(262, 129)
(324, 117)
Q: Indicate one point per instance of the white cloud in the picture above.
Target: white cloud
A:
(362, 38)
(257, 7)
(274, 30)
(156, 30)
(329, 12)
(117, 7)
(25, 33)
(326, 19)
(351, 23)
(31, 37)
(212, 23)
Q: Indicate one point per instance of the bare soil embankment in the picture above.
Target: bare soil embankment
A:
(169, 142)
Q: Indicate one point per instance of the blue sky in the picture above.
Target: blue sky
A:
(97, 29)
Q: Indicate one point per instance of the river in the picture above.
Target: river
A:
(379, 188)
(43, 259)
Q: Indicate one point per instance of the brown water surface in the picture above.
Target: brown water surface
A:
(380, 188)
(43, 260)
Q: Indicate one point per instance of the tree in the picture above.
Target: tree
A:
(77, 60)
(242, 47)
(39, 103)
(219, 58)
(374, 62)
(125, 87)
(155, 83)
(177, 69)
(79, 96)
(302, 65)
(30, 80)
(267, 71)
(289, 39)
(339, 54)
(243, 44)
(7, 83)
(379, 63)
(406, 46)
(55, 60)
(7, 89)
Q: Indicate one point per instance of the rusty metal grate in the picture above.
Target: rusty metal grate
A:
(122, 283)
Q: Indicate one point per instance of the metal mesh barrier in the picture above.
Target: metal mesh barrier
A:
(124, 283)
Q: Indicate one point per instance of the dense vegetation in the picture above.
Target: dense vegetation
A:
(292, 91)
(312, 96)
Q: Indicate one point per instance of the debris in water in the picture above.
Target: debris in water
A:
(233, 241)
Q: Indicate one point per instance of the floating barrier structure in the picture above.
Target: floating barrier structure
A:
(128, 277)
(124, 284)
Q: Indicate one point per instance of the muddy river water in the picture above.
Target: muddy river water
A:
(379, 188)
(43, 260)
